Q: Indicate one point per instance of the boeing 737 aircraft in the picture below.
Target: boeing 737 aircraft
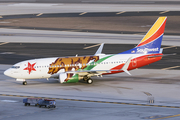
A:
(73, 69)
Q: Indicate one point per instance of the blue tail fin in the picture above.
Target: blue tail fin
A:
(151, 43)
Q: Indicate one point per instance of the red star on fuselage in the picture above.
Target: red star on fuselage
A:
(30, 67)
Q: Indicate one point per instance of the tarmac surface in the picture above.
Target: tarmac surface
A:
(148, 94)
(71, 110)
(37, 8)
(115, 97)
(97, 1)
(47, 36)
(12, 53)
(107, 98)
(104, 22)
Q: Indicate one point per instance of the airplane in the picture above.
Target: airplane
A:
(73, 69)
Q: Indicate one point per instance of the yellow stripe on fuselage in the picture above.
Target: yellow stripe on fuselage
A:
(154, 28)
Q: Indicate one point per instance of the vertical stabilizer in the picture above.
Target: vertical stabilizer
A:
(156, 31)
(151, 42)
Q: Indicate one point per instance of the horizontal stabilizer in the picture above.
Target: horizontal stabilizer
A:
(160, 55)
(126, 65)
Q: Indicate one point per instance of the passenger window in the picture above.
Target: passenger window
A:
(15, 67)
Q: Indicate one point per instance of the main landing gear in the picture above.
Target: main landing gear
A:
(24, 83)
(90, 81)
(87, 79)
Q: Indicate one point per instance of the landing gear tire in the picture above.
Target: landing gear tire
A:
(90, 81)
(87, 79)
(25, 83)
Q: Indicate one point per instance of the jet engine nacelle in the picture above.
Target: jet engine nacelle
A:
(64, 78)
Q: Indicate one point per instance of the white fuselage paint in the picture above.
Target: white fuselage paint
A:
(42, 66)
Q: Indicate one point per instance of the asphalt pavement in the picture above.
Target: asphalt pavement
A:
(12, 53)
(117, 96)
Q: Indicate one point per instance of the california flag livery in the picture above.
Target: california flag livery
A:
(73, 69)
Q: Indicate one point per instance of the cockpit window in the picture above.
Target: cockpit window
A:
(16, 67)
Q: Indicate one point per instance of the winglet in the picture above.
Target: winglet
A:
(126, 65)
(99, 49)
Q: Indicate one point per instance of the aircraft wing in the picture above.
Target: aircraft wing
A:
(92, 72)
(99, 72)
(89, 72)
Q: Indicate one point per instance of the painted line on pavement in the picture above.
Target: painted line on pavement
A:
(170, 68)
(4, 43)
(171, 116)
(83, 13)
(120, 12)
(91, 46)
(164, 12)
(169, 47)
(39, 14)
(92, 101)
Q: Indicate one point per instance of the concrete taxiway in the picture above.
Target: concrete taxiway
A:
(73, 110)
(40, 8)
(12, 53)
(114, 97)
(45, 36)
(109, 97)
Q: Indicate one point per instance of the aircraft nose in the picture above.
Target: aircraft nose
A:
(7, 72)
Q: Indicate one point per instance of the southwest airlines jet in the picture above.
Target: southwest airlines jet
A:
(73, 69)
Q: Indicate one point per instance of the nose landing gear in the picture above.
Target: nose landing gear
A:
(24, 83)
